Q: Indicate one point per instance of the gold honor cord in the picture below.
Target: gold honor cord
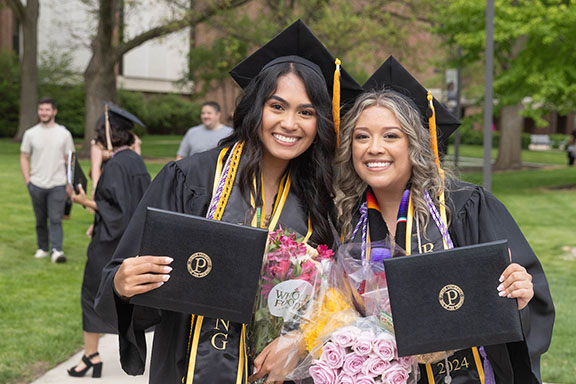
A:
(283, 191)
(194, 349)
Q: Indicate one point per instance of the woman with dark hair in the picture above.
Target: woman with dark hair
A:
(122, 183)
(276, 166)
(391, 187)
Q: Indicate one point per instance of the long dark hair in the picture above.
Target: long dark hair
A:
(312, 172)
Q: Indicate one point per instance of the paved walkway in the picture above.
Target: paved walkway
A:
(112, 373)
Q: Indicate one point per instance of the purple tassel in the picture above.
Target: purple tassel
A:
(488, 372)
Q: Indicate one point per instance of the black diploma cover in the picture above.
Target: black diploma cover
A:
(448, 300)
(216, 267)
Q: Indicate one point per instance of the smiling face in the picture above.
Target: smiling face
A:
(210, 117)
(288, 121)
(46, 113)
(380, 151)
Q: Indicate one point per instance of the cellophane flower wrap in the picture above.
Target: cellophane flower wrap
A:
(351, 338)
(291, 276)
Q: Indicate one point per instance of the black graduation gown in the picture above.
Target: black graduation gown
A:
(183, 186)
(121, 186)
(478, 217)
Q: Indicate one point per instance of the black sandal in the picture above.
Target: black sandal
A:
(96, 372)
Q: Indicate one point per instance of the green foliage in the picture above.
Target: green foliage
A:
(170, 114)
(534, 51)
(135, 102)
(9, 94)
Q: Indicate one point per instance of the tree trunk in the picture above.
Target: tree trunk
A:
(29, 69)
(510, 149)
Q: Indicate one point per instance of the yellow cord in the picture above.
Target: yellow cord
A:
(336, 101)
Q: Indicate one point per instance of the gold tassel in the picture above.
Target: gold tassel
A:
(108, 139)
(432, 128)
(336, 101)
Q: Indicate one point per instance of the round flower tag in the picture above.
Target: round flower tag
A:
(288, 295)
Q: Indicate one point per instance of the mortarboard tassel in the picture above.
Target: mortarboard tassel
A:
(432, 129)
(336, 101)
(108, 139)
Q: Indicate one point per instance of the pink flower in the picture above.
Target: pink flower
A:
(321, 373)
(384, 346)
(363, 344)
(333, 355)
(375, 366)
(395, 374)
(353, 363)
(362, 379)
(345, 378)
(324, 252)
(407, 362)
(345, 336)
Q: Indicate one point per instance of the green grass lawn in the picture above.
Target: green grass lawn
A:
(40, 316)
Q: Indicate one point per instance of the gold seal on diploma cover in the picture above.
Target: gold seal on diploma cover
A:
(451, 297)
(199, 265)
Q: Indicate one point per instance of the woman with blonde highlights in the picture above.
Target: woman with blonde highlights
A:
(387, 169)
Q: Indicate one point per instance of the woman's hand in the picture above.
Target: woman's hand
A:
(279, 358)
(141, 274)
(516, 283)
(82, 199)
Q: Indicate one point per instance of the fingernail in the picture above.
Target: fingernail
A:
(169, 260)
(502, 294)
(501, 279)
(509, 296)
(167, 269)
(500, 287)
(165, 277)
(160, 283)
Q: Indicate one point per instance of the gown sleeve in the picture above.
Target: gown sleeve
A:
(170, 191)
(479, 217)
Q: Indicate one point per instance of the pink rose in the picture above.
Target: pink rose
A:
(345, 378)
(322, 373)
(395, 374)
(362, 379)
(384, 346)
(375, 366)
(407, 362)
(333, 355)
(345, 336)
(353, 363)
(363, 344)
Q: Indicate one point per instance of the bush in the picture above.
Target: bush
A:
(470, 136)
(170, 114)
(9, 94)
(135, 103)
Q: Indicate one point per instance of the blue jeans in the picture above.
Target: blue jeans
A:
(48, 208)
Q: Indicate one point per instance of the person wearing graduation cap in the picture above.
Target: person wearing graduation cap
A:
(274, 170)
(388, 166)
(120, 188)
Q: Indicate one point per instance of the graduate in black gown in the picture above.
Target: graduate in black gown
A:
(120, 188)
(391, 186)
(275, 169)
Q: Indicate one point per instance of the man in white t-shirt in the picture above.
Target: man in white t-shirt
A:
(43, 155)
(206, 135)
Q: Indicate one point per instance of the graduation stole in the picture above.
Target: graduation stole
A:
(218, 340)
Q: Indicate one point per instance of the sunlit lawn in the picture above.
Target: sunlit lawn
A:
(40, 317)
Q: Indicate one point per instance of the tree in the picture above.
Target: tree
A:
(108, 47)
(534, 55)
(360, 33)
(28, 17)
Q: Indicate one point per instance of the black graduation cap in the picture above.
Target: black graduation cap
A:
(392, 75)
(115, 112)
(296, 44)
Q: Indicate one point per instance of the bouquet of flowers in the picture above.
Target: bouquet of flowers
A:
(291, 275)
(350, 337)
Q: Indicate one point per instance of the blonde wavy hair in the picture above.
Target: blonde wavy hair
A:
(425, 175)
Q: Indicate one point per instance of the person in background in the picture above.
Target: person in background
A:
(121, 185)
(387, 166)
(206, 135)
(571, 149)
(43, 157)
